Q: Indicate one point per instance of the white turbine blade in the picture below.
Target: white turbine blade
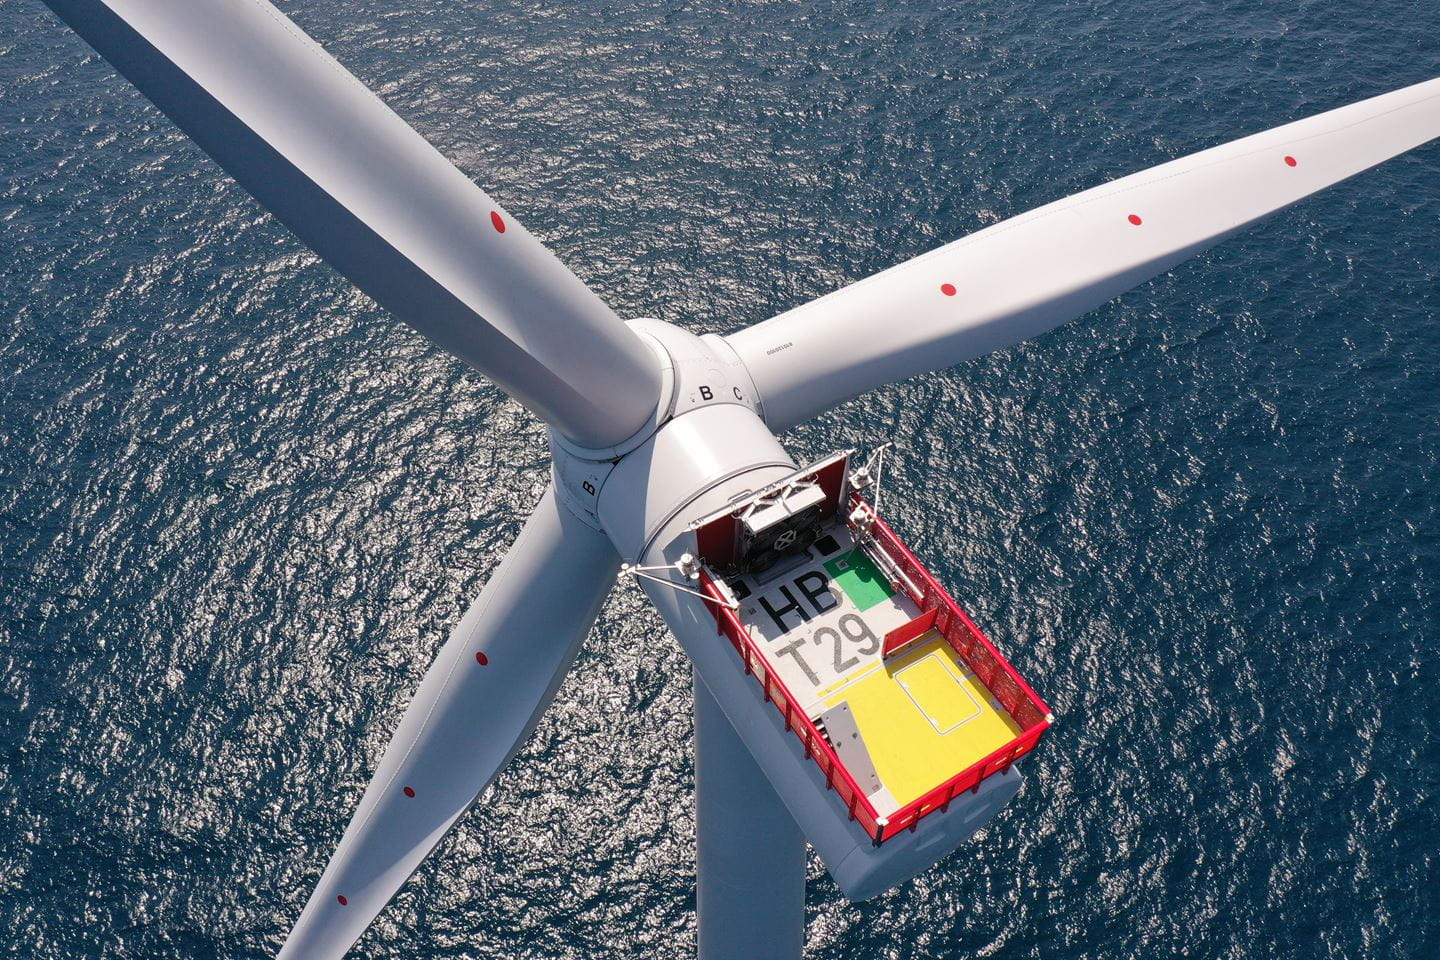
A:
(375, 200)
(1029, 274)
(496, 674)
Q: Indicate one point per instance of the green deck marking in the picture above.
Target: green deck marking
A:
(860, 579)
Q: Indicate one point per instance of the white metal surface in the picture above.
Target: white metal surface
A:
(749, 855)
(811, 632)
(377, 202)
(707, 372)
(1031, 273)
(466, 721)
(689, 456)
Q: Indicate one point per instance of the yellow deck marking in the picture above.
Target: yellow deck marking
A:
(899, 708)
(938, 692)
(847, 680)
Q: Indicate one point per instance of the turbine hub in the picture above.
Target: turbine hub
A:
(698, 373)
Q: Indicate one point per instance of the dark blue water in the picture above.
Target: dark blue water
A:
(240, 508)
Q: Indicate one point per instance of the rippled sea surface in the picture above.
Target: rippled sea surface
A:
(240, 508)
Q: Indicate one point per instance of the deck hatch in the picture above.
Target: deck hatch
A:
(938, 694)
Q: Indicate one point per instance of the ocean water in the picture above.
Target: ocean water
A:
(240, 507)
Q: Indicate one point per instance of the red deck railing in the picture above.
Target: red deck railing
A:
(989, 666)
(992, 669)
(837, 778)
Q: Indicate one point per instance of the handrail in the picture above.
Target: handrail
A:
(858, 806)
(933, 595)
(1016, 696)
(908, 816)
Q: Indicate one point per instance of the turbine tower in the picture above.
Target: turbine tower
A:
(842, 697)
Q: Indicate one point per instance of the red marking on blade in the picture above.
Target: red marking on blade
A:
(343, 901)
(497, 221)
(1135, 219)
(480, 658)
(1290, 161)
(948, 289)
(409, 791)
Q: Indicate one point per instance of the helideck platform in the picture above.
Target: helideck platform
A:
(888, 685)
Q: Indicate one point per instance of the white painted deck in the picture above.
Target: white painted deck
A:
(814, 635)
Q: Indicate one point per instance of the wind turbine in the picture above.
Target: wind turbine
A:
(665, 457)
